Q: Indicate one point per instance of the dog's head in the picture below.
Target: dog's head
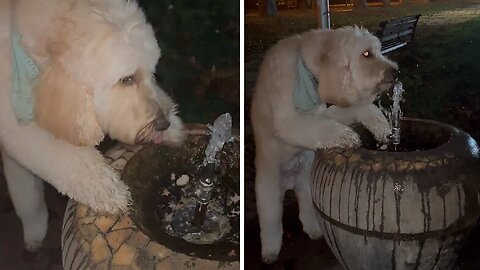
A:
(99, 78)
(352, 69)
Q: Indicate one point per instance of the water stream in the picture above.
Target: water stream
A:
(396, 113)
(393, 114)
(202, 221)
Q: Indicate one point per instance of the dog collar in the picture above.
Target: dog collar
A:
(24, 73)
(305, 95)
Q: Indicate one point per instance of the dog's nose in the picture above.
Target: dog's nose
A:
(392, 74)
(161, 124)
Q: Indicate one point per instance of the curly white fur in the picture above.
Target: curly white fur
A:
(96, 61)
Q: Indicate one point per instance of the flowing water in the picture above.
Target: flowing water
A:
(201, 219)
(396, 114)
(221, 132)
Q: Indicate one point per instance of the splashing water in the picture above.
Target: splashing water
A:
(201, 221)
(396, 113)
(393, 114)
(221, 132)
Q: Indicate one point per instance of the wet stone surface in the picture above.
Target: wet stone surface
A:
(116, 242)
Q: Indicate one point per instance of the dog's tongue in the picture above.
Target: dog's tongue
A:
(158, 138)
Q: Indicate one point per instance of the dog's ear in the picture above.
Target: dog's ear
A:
(64, 107)
(333, 64)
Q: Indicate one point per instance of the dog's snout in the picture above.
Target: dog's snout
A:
(161, 124)
(392, 74)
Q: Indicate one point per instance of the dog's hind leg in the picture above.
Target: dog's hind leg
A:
(269, 196)
(28, 199)
(302, 189)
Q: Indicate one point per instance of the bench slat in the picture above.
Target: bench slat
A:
(395, 28)
(399, 20)
(407, 33)
(395, 23)
(389, 49)
(397, 33)
(393, 43)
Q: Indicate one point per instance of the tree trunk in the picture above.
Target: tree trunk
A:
(262, 8)
(302, 4)
(359, 3)
(270, 7)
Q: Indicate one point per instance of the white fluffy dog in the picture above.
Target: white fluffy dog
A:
(346, 69)
(96, 60)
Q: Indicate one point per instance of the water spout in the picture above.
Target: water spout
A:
(221, 132)
(396, 113)
(204, 194)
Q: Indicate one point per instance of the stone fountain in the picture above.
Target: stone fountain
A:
(186, 208)
(169, 194)
(406, 206)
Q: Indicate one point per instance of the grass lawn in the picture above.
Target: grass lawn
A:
(441, 76)
(262, 32)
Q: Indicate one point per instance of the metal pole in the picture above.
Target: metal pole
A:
(324, 13)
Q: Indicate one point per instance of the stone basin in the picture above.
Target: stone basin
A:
(163, 178)
(399, 210)
(92, 240)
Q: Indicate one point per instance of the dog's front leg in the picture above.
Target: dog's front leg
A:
(81, 173)
(27, 196)
(315, 131)
(368, 115)
(373, 119)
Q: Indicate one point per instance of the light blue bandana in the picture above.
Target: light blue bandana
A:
(24, 73)
(305, 96)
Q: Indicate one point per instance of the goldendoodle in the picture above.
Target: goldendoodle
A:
(309, 89)
(74, 71)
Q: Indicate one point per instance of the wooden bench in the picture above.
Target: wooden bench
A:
(397, 33)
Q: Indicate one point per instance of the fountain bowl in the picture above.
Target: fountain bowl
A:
(92, 240)
(163, 179)
(399, 210)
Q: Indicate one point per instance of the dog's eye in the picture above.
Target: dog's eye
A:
(367, 54)
(129, 80)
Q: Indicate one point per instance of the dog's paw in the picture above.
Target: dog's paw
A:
(312, 229)
(382, 133)
(378, 125)
(271, 246)
(98, 185)
(111, 197)
(341, 136)
(313, 233)
(269, 258)
(349, 139)
(33, 245)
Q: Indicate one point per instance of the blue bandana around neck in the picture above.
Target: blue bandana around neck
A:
(305, 96)
(24, 74)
